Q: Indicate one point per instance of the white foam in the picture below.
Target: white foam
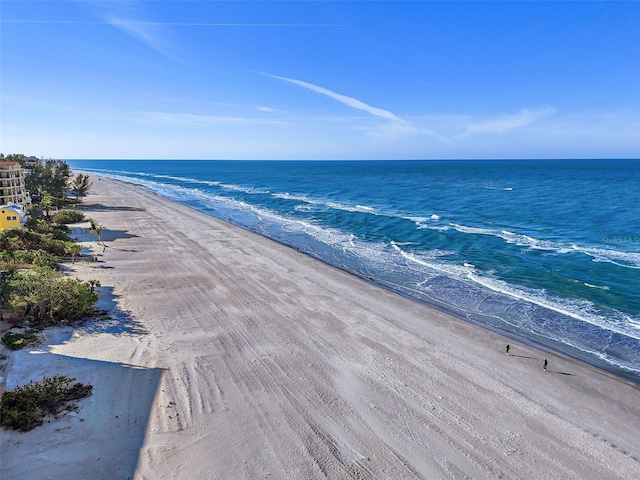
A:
(630, 259)
(603, 287)
(622, 259)
(327, 203)
(365, 208)
(350, 208)
(582, 310)
(427, 259)
(288, 196)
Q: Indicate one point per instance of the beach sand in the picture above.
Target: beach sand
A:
(229, 356)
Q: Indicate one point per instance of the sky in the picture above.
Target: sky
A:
(328, 79)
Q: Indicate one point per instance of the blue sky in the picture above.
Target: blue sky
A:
(320, 80)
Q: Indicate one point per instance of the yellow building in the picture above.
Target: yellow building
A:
(12, 185)
(11, 216)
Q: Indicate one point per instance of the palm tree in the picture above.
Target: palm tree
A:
(46, 203)
(97, 230)
(93, 284)
(80, 186)
(72, 249)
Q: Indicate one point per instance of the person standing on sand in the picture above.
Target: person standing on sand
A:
(544, 365)
(507, 348)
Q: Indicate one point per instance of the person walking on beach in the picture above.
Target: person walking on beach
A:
(544, 365)
(507, 348)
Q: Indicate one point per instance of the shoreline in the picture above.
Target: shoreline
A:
(619, 372)
(552, 345)
(232, 355)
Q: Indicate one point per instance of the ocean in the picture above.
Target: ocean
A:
(544, 251)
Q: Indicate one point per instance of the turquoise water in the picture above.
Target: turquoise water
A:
(546, 251)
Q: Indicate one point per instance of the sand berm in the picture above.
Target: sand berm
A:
(226, 355)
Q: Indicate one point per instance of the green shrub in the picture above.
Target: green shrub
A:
(68, 216)
(16, 341)
(48, 297)
(39, 258)
(24, 408)
(37, 236)
(38, 226)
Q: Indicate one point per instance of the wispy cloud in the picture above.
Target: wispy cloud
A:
(130, 17)
(506, 123)
(349, 101)
(151, 34)
(182, 24)
(189, 119)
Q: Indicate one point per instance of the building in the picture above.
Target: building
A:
(11, 216)
(12, 189)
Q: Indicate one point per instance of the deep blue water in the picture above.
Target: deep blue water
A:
(548, 251)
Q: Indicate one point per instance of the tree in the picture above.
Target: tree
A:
(46, 203)
(80, 186)
(97, 230)
(48, 297)
(8, 257)
(50, 177)
(93, 284)
(73, 249)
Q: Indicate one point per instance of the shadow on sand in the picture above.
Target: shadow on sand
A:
(115, 322)
(84, 234)
(103, 440)
(98, 207)
(109, 235)
(561, 373)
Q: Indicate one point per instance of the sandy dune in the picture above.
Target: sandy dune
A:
(229, 356)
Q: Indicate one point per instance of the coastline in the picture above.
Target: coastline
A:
(229, 355)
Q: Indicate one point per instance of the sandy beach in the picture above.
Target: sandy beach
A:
(226, 355)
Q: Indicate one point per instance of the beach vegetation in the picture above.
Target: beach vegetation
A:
(38, 235)
(93, 283)
(25, 240)
(52, 185)
(45, 297)
(46, 204)
(64, 217)
(73, 250)
(96, 230)
(38, 258)
(57, 231)
(26, 407)
(32, 290)
(48, 182)
(80, 186)
(16, 341)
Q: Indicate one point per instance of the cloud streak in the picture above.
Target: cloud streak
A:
(183, 24)
(506, 123)
(151, 34)
(189, 119)
(349, 101)
(128, 16)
